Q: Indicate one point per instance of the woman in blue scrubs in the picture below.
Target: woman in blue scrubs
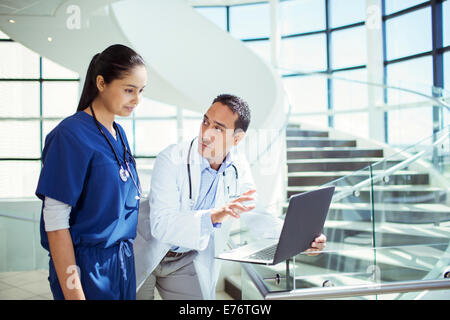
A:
(89, 185)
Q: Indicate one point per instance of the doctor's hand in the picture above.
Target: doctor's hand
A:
(233, 208)
(317, 245)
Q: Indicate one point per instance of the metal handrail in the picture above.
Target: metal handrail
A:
(359, 290)
(343, 291)
(439, 102)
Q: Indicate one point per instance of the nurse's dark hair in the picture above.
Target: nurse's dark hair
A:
(115, 62)
(239, 106)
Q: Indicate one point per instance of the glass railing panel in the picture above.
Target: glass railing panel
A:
(388, 222)
(407, 265)
(20, 248)
(413, 263)
(412, 211)
(349, 220)
(349, 232)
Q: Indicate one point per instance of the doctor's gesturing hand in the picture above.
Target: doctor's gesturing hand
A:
(233, 208)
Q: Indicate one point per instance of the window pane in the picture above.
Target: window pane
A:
(349, 47)
(59, 99)
(307, 94)
(196, 114)
(304, 54)
(19, 139)
(47, 127)
(344, 12)
(397, 5)
(416, 74)
(447, 71)
(153, 108)
(127, 125)
(347, 94)
(152, 136)
(18, 62)
(446, 22)
(408, 34)
(250, 21)
(53, 70)
(405, 133)
(191, 128)
(301, 16)
(261, 48)
(19, 178)
(447, 84)
(217, 15)
(355, 123)
(19, 99)
(419, 77)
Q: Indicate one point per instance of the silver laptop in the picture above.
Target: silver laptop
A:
(304, 221)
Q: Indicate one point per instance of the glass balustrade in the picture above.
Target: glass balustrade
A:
(388, 226)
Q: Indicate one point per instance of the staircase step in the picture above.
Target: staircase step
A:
(317, 178)
(330, 152)
(332, 164)
(233, 286)
(294, 132)
(318, 142)
(387, 193)
(421, 213)
(387, 233)
(386, 207)
(394, 264)
(405, 213)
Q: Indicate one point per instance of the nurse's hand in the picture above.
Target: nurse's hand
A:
(233, 208)
(63, 256)
(317, 245)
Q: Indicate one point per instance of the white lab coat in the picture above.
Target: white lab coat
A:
(172, 220)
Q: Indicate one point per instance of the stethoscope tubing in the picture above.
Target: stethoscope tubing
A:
(125, 152)
(189, 170)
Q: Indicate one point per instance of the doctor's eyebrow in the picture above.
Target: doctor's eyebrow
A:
(218, 123)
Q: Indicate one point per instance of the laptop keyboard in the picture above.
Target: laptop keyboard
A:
(264, 254)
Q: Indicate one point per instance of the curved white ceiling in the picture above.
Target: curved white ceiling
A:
(189, 60)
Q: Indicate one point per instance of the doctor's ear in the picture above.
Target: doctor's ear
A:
(238, 136)
(100, 82)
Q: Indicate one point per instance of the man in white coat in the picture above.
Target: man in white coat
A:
(196, 187)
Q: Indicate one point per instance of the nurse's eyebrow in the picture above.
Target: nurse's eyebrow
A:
(132, 85)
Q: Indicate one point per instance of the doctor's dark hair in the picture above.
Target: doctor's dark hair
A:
(113, 63)
(239, 106)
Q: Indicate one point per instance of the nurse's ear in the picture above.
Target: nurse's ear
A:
(100, 81)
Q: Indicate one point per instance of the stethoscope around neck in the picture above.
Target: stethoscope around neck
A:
(223, 173)
(124, 174)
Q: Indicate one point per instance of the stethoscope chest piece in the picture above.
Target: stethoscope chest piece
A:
(124, 175)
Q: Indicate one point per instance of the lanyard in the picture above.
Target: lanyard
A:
(124, 174)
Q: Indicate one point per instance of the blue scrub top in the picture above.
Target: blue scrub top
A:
(79, 169)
